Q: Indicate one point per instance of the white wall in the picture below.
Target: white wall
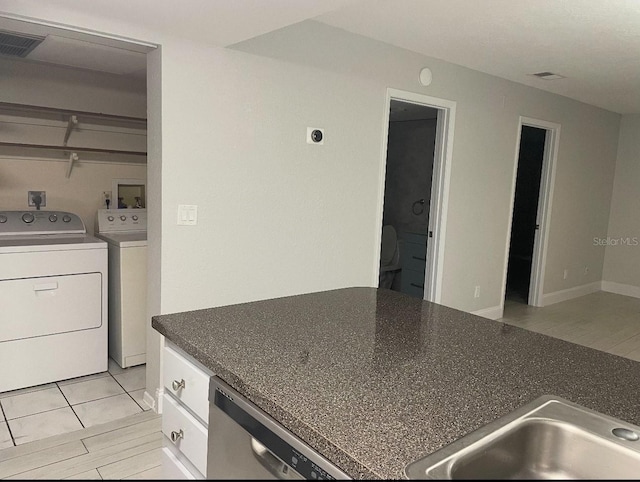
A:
(278, 216)
(49, 85)
(484, 157)
(81, 193)
(622, 259)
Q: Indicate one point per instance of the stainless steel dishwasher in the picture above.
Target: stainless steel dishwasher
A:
(246, 443)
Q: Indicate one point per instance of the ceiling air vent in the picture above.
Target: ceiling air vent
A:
(548, 75)
(13, 44)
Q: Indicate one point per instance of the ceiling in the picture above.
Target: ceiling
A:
(594, 44)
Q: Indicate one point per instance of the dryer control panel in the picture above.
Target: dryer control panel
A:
(121, 220)
(26, 223)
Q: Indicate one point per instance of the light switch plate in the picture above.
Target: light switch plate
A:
(187, 214)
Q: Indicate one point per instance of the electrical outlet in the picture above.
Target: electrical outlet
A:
(476, 293)
(32, 198)
(565, 274)
(107, 198)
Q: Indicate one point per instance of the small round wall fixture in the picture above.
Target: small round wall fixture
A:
(425, 76)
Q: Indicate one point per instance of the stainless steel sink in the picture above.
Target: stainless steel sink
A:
(549, 438)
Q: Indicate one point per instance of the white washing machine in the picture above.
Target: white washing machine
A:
(53, 299)
(125, 231)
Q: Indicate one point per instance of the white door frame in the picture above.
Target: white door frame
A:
(439, 185)
(545, 199)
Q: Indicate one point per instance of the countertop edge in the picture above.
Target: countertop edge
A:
(333, 453)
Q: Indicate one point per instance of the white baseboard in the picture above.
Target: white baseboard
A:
(493, 313)
(154, 403)
(570, 293)
(621, 289)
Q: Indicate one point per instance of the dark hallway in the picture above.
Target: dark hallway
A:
(525, 209)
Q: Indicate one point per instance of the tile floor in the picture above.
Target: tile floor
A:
(605, 321)
(38, 412)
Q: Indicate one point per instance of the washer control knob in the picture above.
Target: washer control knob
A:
(66, 218)
(110, 218)
(134, 217)
(123, 218)
(53, 218)
(28, 218)
(3, 218)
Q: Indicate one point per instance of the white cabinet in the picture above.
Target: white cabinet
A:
(185, 414)
(187, 381)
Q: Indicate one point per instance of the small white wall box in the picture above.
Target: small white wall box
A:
(315, 135)
(128, 193)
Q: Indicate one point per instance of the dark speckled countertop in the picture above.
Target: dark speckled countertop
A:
(374, 379)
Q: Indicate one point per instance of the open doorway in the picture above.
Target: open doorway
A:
(533, 186)
(525, 211)
(407, 196)
(418, 136)
(75, 120)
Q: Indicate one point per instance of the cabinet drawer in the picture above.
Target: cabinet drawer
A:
(192, 442)
(413, 256)
(412, 282)
(187, 382)
(416, 238)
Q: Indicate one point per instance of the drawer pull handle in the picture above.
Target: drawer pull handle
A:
(175, 436)
(45, 286)
(419, 258)
(177, 385)
(416, 285)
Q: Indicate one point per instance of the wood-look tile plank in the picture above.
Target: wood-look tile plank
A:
(610, 340)
(90, 460)
(34, 447)
(629, 345)
(42, 461)
(594, 334)
(92, 474)
(634, 355)
(116, 437)
(132, 465)
(603, 321)
(155, 473)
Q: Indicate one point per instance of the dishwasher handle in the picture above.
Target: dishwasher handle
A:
(282, 445)
(273, 464)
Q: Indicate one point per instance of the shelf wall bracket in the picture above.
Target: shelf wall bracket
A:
(72, 159)
(73, 121)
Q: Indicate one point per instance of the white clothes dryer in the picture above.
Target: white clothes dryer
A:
(125, 231)
(53, 299)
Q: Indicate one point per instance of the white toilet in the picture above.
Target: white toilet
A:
(389, 256)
